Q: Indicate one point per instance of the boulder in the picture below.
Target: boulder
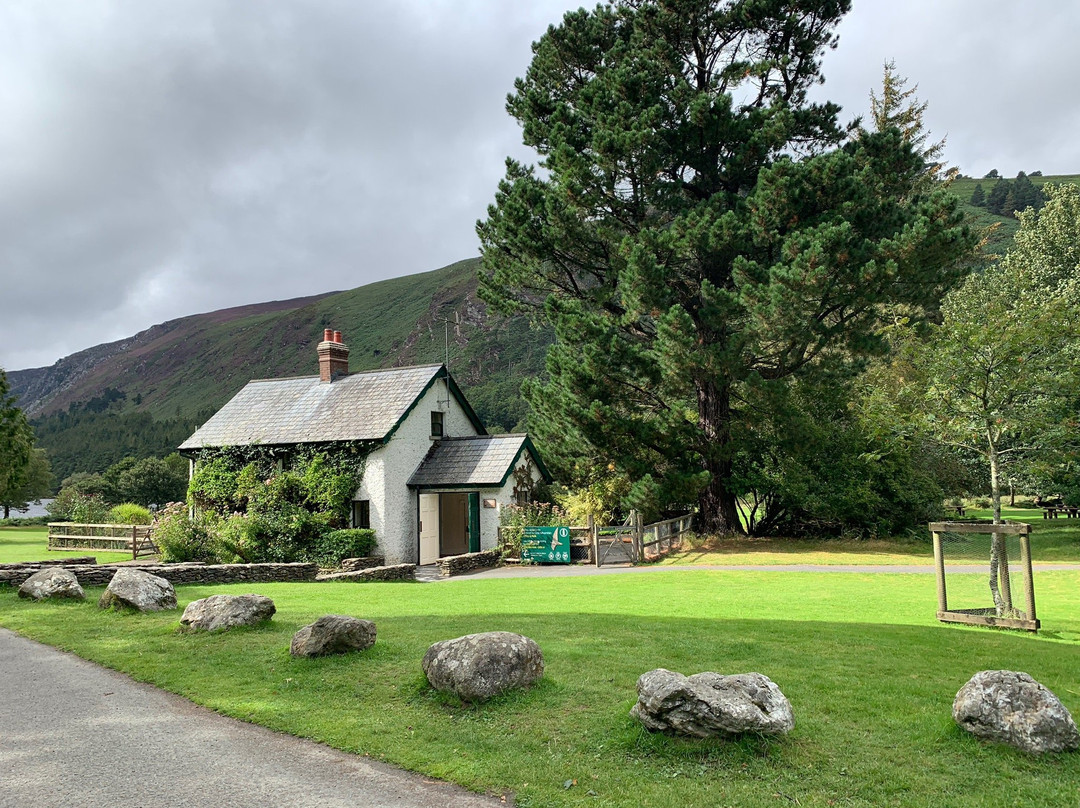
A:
(56, 582)
(1011, 707)
(219, 612)
(711, 704)
(333, 634)
(478, 666)
(135, 589)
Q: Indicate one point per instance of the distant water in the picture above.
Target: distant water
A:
(35, 509)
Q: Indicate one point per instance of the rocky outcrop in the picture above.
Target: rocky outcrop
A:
(55, 582)
(478, 666)
(711, 704)
(135, 589)
(333, 634)
(220, 612)
(1010, 707)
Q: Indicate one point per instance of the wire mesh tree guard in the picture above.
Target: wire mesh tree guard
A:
(980, 562)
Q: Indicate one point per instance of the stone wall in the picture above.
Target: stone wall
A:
(52, 562)
(456, 565)
(101, 574)
(397, 572)
(366, 563)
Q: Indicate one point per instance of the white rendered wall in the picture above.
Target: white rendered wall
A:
(389, 468)
(489, 517)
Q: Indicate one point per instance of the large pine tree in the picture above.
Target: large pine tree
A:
(699, 233)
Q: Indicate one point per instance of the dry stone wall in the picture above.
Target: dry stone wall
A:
(456, 565)
(397, 572)
(101, 574)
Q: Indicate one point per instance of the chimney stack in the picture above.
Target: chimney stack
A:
(333, 356)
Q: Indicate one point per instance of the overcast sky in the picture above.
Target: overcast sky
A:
(161, 158)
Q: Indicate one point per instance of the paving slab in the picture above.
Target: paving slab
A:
(74, 733)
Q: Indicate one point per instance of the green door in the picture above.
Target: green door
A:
(474, 522)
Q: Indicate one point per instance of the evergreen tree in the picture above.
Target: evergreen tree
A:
(16, 438)
(32, 484)
(699, 234)
(899, 108)
(995, 200)
(978, 196)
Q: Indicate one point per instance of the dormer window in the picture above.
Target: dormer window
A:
(436, 424)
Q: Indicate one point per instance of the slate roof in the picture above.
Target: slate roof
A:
(474, 461)
(274, 412)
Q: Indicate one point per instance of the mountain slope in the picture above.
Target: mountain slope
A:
(161, 381)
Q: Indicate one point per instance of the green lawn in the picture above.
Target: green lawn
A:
(1052, 541)
(30, 543)
(870, 673)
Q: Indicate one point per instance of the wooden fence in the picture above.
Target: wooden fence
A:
(629, 543)
(134, 539)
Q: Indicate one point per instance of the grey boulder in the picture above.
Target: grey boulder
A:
(135, 589)
(219, 612)
(478, 666)
(710, 704)
(1010, 707)
(52, 583)
(333, 634)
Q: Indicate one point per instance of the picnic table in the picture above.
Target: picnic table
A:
(1055, 511)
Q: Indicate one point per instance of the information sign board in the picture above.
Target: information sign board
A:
(546, 545)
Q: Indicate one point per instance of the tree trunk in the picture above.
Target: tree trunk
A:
(718, 510)
(7, 511)
(997, 540)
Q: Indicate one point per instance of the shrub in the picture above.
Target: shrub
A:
(332, 547)
(181, 538)
(72, 505)
(24, 521)
(128, 513)
(288, 533)
(514, 518)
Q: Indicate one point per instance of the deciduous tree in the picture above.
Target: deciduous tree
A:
(699, 233)
(1003, 369)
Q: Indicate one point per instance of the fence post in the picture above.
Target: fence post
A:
(134, 542)
(939, 567)
(639, 537)
(594, 537)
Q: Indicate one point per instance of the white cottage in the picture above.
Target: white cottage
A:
(434, 481)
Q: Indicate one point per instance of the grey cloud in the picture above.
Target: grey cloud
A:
(163, 158)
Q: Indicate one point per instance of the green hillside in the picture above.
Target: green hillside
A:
(1006, 226)
(143, 396)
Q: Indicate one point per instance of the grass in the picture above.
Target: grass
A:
(870, 673)
(31, 544)
(1053, 541)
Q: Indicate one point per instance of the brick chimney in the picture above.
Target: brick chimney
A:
(333, 356)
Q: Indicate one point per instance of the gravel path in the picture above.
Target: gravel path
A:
(73, 733)
(574, 570)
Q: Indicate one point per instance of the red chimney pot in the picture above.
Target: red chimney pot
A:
(327, 335)
(337, 336)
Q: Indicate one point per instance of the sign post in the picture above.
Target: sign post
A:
(546, 545)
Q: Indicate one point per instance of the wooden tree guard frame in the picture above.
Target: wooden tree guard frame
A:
(987, 617)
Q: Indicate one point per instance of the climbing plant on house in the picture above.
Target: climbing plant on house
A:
(258, 503)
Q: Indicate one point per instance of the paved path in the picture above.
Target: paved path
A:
(575, 570)
(73, 733)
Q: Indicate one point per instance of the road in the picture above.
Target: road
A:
(73, 733)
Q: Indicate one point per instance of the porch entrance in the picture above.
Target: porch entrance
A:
(449, 525)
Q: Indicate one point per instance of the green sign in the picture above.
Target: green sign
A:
(546, 545)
